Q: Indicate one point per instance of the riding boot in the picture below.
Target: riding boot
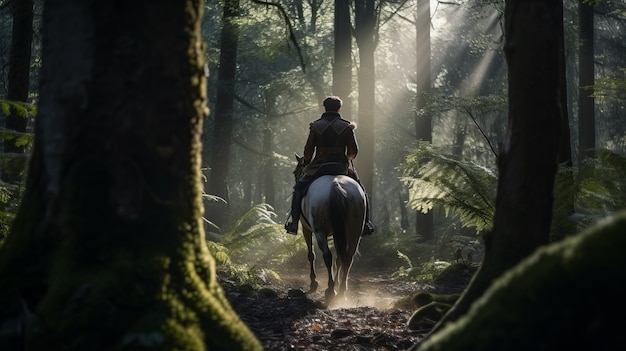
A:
(368, 228)
(292, 222)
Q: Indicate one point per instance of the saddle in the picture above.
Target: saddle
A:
(328, 168)
(331, 168)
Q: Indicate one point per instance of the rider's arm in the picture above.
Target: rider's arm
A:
(309, 147)
(352, 148)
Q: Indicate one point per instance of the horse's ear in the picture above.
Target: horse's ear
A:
(297, 156)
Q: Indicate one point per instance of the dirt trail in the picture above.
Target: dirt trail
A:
(365, 320)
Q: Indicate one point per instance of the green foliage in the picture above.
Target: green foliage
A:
(406, 259)
(8, 209)
(21, 139)
(255, 244)
(611, 88)
(467, 191)
(22, 109)
(599, 188)
(10, 193)
(585, 195)
(471, 105)
(424, 273)
(462, 189)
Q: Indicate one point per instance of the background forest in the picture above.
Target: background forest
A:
(429, 94)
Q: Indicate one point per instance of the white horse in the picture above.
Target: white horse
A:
(333, 205)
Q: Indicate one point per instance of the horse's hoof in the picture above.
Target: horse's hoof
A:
(330, 294)
(313, 287)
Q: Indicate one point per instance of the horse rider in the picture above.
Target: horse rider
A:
(332, 140)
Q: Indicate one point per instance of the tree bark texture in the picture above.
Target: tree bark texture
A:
(528, 158)
(586, 80)
(342, 67)
(562, 297)
(223, 114)
(562, 223)
(108, 249)
(365, 34)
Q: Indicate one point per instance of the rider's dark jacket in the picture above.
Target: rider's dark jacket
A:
(331, 139)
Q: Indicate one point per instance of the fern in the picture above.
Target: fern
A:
(599, 188)
(21, 139)
(405, 258)
(22, 109)
(254, 240)
(462, 189)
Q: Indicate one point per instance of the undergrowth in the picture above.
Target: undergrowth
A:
(253, 248)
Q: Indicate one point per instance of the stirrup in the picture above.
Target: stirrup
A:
(368, 228)
(291, 226)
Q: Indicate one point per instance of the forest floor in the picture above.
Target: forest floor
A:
(373, 316)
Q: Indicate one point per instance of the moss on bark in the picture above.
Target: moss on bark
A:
(108, 249)
(566, 296)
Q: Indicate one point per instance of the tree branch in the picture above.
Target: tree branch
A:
(292, 36)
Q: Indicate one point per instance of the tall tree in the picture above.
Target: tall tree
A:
(586, 80)
(342, 68)
(18, 82)
(527, 162)
(223, 130)
(424, 222)
(564, 207)
(108, 249)
(366, 35)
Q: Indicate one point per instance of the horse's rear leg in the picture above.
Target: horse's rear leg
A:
(322, 243)
(346, 260)
(342, 274)
(308, 238)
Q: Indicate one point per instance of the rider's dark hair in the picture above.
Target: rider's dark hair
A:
(332, 103)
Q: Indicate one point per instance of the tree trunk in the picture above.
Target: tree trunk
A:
(18, 83)
(556, 299)
(586, 102)
(424, 222)
(342, 68)
(365, 34)
(268, 165)
(220, 154)
(528, 161)
(564, 209)
(108, 249)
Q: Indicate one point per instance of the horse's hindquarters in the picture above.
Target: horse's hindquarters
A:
(335, 205)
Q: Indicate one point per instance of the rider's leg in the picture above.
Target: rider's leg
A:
(369, 228)
(292, 222)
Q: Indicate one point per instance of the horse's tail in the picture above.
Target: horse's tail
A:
(338, 206)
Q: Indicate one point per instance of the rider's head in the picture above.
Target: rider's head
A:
(332, 103)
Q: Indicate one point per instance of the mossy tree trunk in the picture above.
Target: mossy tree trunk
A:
(528, 158)
(565, 296)
(108, 248)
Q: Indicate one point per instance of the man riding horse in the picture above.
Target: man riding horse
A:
(332, 140)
